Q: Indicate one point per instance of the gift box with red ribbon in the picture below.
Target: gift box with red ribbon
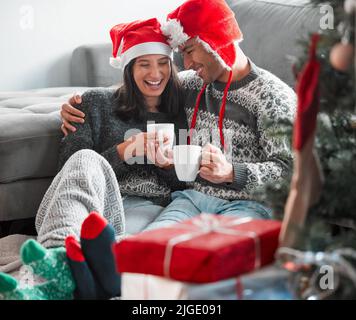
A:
(206, 248)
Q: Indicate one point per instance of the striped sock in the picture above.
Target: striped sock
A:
(97, 239)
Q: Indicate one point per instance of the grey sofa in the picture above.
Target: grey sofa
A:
(30, 132)
(30, 120)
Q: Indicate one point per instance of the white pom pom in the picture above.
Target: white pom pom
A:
(115, 62)
(174, 31)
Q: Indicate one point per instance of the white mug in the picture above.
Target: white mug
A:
(162, 129)
(187, 160)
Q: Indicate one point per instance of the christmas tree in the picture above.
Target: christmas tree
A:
(331, 222)
(326, 230)
(323, 183)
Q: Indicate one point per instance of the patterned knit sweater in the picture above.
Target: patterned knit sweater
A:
(103, 130)
(257, 158)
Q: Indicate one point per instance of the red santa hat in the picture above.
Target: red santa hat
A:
(212, 22)
(137, 38)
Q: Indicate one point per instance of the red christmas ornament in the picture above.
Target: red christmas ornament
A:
(341, 56)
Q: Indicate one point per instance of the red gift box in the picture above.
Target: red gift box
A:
(206, 248)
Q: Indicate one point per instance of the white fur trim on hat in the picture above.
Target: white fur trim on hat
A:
(209, 49)
(174, 31)
(140, 50)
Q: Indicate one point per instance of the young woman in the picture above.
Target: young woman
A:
(116, 178)
(104, 168)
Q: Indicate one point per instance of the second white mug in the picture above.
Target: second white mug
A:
(187, 160)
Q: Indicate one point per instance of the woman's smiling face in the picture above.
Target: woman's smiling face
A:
(151, 73)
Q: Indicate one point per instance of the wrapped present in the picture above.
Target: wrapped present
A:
(268, 283)
(206, 248)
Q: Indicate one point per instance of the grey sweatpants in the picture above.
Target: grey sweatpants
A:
(86, 183)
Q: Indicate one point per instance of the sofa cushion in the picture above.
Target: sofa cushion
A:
(30, 132)
(42, 92)
(91, 67)
(271, 29)
(23, 102)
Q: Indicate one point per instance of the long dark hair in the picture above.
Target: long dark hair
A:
(131, 103)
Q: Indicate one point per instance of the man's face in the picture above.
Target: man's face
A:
(197, 58)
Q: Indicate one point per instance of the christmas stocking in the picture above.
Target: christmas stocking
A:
(49, 264)
(307, 177)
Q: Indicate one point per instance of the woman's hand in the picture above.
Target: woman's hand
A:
(147, 144)
(135, 146)
(160, 153)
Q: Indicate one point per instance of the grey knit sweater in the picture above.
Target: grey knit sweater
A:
(103, 130)
(257, 157)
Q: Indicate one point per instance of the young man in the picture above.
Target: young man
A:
(228, 103)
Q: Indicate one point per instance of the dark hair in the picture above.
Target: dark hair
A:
(131, 102)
